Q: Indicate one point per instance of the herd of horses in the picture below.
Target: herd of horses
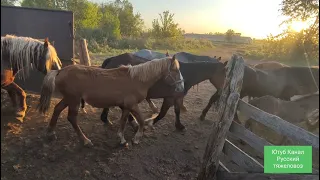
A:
(128, 79)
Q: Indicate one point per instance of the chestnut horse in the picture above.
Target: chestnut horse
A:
(193, 73)
(125, 86)
(19, 54)
(282, 83)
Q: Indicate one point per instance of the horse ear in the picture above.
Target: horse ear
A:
(173, 58)
(46, 42)
(219, 59)
(167, 53)
(225, 63)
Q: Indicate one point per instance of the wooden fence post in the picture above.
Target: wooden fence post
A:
(84, 53)
(228, 106)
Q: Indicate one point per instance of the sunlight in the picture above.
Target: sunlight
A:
(298, 26)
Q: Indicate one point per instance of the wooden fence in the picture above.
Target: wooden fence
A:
(226, 131)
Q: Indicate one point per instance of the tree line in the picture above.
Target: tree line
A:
(115, 25)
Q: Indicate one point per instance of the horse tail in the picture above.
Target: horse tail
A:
(47, 90)
(82, 103)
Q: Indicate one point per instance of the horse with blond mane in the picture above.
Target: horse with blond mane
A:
(125, 87)
(19, 54)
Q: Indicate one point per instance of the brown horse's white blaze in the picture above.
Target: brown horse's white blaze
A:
(22, 54)
(125, 87)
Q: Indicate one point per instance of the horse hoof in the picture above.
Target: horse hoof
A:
(135, 141)
(84, 110)
(20, 116)
(87, 143)
(107, 123)
(20, 119)
(202, 118)
(183, 109)
(125, 145)
(180, 127)
(51, 136)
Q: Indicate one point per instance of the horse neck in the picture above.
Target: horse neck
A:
(194, 73)
(151, 78)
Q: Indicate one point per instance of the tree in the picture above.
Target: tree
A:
(303, 10)
(166, 27)
(85, 13)
(8, 2)
(130, 24)
(229, 35)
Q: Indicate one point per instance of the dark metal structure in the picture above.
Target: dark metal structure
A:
(57, 25)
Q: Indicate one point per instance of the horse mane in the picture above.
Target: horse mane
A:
(150, 69)
(24, 52)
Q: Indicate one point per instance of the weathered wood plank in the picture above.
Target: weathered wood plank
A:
(222, 167)
(279, 125)
(238, 131)
(84, 53)
(228, 105)
(241, 158)
(223, 175)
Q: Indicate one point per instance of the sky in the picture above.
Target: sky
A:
(254, 18)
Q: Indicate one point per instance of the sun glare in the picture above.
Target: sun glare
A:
(298, 26)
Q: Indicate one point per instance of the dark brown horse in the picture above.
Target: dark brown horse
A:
(283, 83)
(193, 73)
(125, 86)
(21, 54)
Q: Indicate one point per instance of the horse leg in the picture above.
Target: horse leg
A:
(183, 107)
(213, 99)
(83, 105)
(72, 118)
(104, 116)
(53, 122)
(123, 120)
(13, 98)
(21, 110)
(137, 114)
(152, 106)
(167, 103)
(177, 105)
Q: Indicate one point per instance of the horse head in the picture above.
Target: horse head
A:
(219, 75)
(174, 76)
(49, 59)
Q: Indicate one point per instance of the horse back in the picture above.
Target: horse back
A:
(122, 59)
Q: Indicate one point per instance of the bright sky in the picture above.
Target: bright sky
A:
(255, 18)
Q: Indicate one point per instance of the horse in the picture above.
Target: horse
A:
(182, 57)
(19, 54)
(269, 65)
(191, 58)
(125, 87)
(282, 83)
(150, 55)
(304, 109)
(193, 73)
